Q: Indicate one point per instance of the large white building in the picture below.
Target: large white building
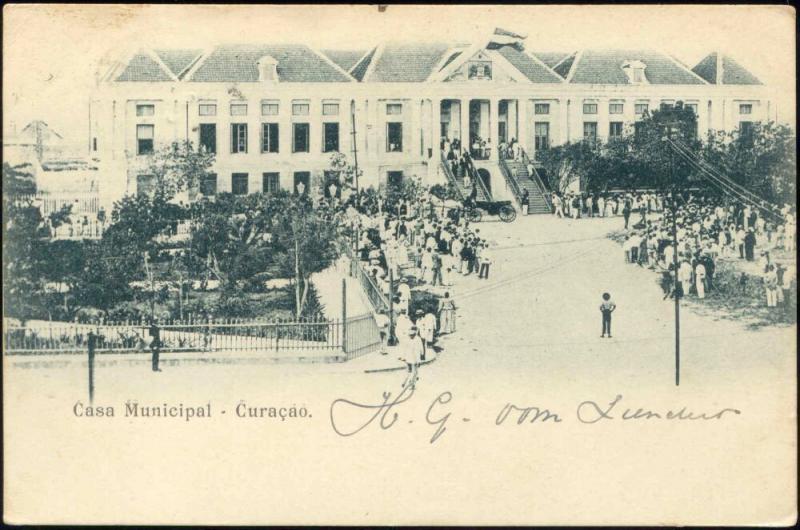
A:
(274, 113)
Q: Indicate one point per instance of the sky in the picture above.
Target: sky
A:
(51, 52)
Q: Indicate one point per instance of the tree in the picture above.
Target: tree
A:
(348, 174)
(305, 242)
(18, 179)
(179, 166)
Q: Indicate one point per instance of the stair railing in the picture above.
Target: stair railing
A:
(536, 178)
(473, 173)
(450, 177)
(511, 179)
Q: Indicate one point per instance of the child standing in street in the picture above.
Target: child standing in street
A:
(606, 308)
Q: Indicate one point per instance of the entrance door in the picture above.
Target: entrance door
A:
(394, 178)
(486, 178)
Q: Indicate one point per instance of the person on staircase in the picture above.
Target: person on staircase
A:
(525, 201)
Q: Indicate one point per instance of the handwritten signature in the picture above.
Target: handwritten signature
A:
(437, 416)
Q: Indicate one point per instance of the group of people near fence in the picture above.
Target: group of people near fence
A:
(577, 205)
(709, 228)
(89, 226)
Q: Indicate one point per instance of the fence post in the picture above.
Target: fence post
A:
(344, 315)
(92, 342)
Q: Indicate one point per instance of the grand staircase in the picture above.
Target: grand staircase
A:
(483, 193)
(516, 173)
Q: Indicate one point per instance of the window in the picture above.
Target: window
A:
(144, 139)
(394, 137)
(541, 108)
(330, 109)
(300, 136)
(145, 110)
(394, 178)
(145, 184)
(239, 184)
(667, 104)
(590, 108)
(238, 109)
(270, 108)
(394, 109)
(330, 141)
(615, 130)
(300, 109)
(301, 182)
(238, 137)
(590, 130)
(270, 182)
(746, 108)
(692, 106)
(207, 109)
(208, 137)
(638, 75)
(616, 108)
(269, 138)
(208, 184)
(641, 108)
(331, 178)
(638, 130)
(541, 136)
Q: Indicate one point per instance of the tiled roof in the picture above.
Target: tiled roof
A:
(296, 64)
(345, 59)
(142, 67)
(732, 72)
(605, 67)
(562, 68)
(407, 63)
(528, 66)
(360, 69)
(551, 58)
(178, 60)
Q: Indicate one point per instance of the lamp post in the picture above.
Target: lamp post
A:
(354, 144)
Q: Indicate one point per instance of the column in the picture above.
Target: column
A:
(522, 125)
(435, 136)
(416, 125)
(565, 104)
(464, 119)
(494, 127)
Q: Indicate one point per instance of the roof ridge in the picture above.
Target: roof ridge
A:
(542, 63)
(574, 66)
(333, 64)
(157, 58)
(684, 67)
(201, 59)
(370, 49)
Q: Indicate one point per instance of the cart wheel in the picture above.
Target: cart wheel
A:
(474, 215)
(507, 213)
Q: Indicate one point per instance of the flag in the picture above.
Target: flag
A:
(502, 37)
(506, 33)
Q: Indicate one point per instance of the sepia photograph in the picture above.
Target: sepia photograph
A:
(399, 265)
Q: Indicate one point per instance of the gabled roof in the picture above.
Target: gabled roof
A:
(346, 59)
(178, 60)
(406, 63)
(532, 68)
(360, 69)
(297, 63)
(563, 67)
(604, 67)
(551, 58)
(732, 72)
(143, 68)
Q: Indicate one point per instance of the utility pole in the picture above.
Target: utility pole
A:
(354, 144)
(675, 260)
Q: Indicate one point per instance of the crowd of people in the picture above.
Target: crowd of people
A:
(708, 228)
(416, 244)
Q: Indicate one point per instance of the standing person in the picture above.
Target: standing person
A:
(524, 201)
(155, 343)
(685, 277)
(771, 286)
(437, 269)
(428, 331)
(700, 279)
(382, 321)
(402, 326)
(485, 261)
(447, 315)
(626, 212)
(607, 306)
(749, 244)
(601, 206)
(739, 241)
(411, 353)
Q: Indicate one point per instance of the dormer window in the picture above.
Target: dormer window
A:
(635, 72)
(267, 69)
